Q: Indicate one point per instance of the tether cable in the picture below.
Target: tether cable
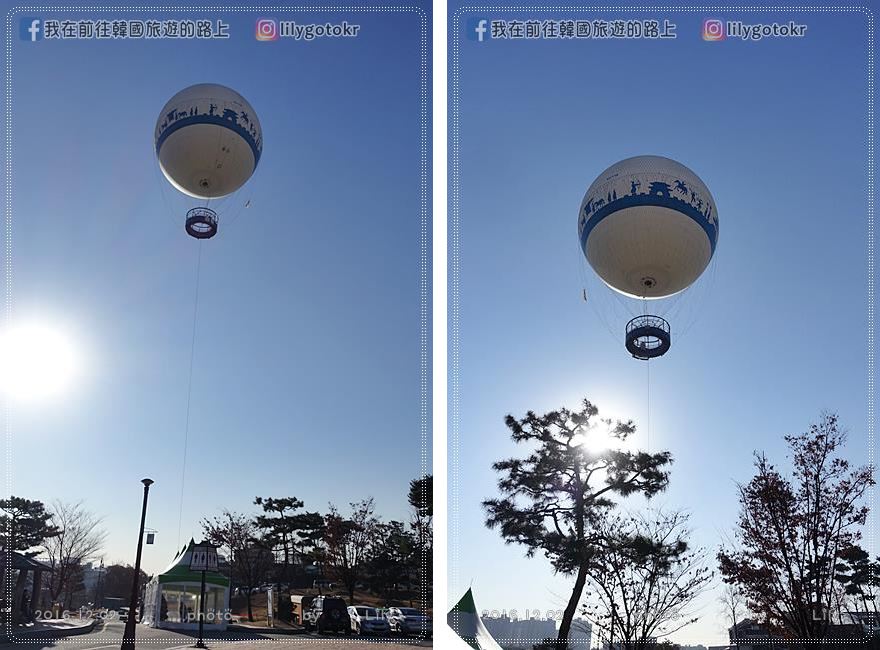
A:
(192, 350)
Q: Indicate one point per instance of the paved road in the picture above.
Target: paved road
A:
(107, 636)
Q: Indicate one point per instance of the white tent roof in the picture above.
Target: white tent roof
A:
(464, 619)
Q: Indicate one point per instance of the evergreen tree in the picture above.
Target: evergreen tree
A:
(551, 498)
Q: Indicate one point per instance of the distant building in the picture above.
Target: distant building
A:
(581, 635)
(648, 644)
(523, 634)
(748, 634)
(517, 634)
(92, 575)
(254, 555)
(869, 622)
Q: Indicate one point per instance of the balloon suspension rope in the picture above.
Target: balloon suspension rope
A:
(192, 350)
(648, 391)
(648, 363)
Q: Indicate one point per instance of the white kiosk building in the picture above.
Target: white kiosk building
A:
(171, 599)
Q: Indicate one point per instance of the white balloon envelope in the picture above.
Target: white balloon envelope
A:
(648, 226)
(208, 141)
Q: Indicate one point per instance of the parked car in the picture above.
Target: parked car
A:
(123, 614)
(368, 620)
(328, 614)
(408, 620)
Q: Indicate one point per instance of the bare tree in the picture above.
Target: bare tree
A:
(841, 602)
(791, 531)
(347, 542)
(644, 584)
(250, 555)
(79, 539)
(733, 603)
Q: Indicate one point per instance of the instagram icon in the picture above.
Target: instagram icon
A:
(713, 30)
(266, 30)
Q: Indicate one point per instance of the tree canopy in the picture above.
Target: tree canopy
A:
(791, 530)
(25, 525)
(553, 498)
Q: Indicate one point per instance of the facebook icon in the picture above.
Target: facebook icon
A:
(477, 28)
(29, 29)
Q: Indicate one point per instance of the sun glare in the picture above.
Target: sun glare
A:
(597, 440)
(37, 361)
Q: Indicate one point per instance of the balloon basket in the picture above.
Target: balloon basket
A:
(201, 223)
(648, 337)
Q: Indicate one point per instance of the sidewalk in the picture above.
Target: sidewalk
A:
(280, 628)
(55, 628)
(317, 643)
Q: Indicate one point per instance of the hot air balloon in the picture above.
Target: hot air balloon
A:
(208, 141)
(648, 226)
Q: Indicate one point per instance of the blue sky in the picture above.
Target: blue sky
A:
(776, 330)
(306, 372)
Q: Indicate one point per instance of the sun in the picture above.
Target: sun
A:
(37, 361)
(596, 440)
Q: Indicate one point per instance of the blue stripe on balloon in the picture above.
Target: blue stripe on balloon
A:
(632, 200)
(210, 119)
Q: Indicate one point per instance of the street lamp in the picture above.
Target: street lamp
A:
(128, 635)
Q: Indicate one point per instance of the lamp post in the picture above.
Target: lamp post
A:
(128, 635)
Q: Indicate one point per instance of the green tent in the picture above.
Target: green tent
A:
(171, 599)
(464, 619)
(179, 571)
